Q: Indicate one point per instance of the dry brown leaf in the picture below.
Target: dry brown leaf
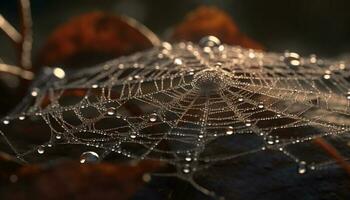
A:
(95, 37)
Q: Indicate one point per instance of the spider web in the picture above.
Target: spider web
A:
(184, 104)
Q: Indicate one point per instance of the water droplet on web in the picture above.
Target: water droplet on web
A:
(137, 77)
(209, 41)
(6, 121)
(22, 117)
(167, 45)
(94, 86)
(178, 61)
(153, 117)
(41, 150)
(132, 136)
(229, 130)
(251, 55)
(58, 136)
(312, 166)
(186, 170)
(270, 140)
(188, 159)
(260, 105)
(295, 62)
(302, 167)
(59, 72)
(326, 76)
(313, 59)
(35, 92)
(240, 99)
(292, 59)
(89, 157)
(111, 111)
(248, 123)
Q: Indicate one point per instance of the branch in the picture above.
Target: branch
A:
(9, 30)
(14, 70)
(23, 40)
(330, 150)
(27, 35)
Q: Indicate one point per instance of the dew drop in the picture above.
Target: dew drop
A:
(292, 59)
(94, 86)
(188, 159)
(295, 62)
(240, 99)
(186, 170)
(251, 55)
(22, 117)
(58, 136)
(326, 76)
(41, 150)
(59, 73)
(312, 166)
(35, 92)
(178, 61)
(111, 111)
(302, 167)
(313, 58)
(89, 157)
(133, 136)
(260, 105)
(248, 123)
(166, 45)
(270, 140)
(153, 117)
(137, 77)
(6, 121)
(209, 41)
(229, 130)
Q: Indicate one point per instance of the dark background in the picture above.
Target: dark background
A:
(306, 26)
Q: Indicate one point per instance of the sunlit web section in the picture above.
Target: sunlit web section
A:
(187, 105)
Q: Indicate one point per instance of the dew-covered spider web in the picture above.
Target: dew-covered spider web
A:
(186, 105)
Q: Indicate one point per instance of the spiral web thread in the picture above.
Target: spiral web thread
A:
(178, 103)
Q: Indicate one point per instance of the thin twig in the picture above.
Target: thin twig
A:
(333, 153)
(27, 35)
(14, 70)
(9, 30)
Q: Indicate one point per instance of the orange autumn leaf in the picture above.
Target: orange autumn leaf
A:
(95, 37)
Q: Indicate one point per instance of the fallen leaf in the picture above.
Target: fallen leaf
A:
(93, 38)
